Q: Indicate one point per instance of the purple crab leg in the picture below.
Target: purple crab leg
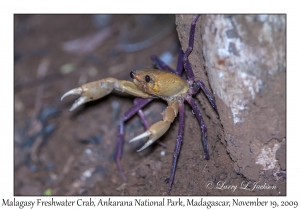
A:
(161, 65)
(140, 103)
(199, 84)
(178, 145)
(145, 122)
(179, 68)
(186, 63)
(142, 115)
(196, 110)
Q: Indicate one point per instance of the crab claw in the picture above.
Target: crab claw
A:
(79, 101)
(154, 132)
(90, 92)
(98, 89)
(158, 129)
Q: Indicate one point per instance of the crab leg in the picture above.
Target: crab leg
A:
(179, 68)
(198, 115)
(159, 128)
(186, 63)
(95, 90)
(161, 65)
(143, 117)
(139, 103)
(144, 120)
(199, 84)
(178, 145)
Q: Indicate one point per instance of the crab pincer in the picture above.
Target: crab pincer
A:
(98, 89)
(159, 128)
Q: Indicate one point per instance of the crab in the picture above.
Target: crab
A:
(164, 83)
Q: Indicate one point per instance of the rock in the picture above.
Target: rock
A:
(244, 57)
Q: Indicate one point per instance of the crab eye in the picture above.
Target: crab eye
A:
(147, 78)
(132, 75)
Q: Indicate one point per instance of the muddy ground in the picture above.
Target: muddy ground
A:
(58, 152)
